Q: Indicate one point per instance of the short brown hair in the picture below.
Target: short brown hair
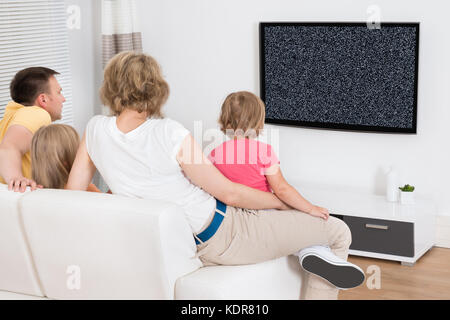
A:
(242, 111)
(53, 151)
(29, 83)
(134, 81)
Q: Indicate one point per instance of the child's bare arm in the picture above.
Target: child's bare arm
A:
(83, 169)
(288, 194)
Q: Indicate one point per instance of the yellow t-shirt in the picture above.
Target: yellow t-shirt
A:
(31, 118)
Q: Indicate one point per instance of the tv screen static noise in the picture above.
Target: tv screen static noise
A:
(347, 76)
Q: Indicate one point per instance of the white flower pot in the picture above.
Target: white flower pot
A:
(406, 197)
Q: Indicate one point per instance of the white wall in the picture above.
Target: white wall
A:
(209, 48)
(85, 60)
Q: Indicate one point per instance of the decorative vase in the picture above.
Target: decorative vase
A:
(406, 197)
(392, 185)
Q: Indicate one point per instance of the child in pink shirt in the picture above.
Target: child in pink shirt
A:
(250, 162)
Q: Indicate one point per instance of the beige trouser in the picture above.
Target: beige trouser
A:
(252, 236)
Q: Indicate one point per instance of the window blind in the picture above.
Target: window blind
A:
(34, 33)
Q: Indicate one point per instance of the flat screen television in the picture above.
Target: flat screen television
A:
(345, 76)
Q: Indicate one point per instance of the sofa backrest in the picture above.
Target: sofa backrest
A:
(17, 271)
(101, 246)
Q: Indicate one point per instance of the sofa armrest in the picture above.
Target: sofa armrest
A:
(17, 272)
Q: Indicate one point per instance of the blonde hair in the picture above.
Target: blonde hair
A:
(242, 111)
(53, 151)
(134, 81)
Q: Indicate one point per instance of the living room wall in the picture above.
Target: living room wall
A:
(209, 48)
(85, 59)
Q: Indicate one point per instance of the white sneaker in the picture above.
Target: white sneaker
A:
(321, 261)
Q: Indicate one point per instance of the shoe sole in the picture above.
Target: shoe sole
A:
(341, 276)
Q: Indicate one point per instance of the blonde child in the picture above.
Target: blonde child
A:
(253, 163)
(250, 162)
(53, 150)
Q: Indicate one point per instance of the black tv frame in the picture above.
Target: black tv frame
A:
(338, 126)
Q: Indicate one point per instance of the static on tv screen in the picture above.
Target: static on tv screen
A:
(340, 75)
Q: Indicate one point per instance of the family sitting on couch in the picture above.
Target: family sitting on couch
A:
(240, 212)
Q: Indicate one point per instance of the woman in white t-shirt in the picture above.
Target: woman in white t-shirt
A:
(139, 153)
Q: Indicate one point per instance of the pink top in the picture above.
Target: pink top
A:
(245, 161)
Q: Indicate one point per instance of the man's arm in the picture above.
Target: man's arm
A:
(15, 143)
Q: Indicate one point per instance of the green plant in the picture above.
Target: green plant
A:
(407, 188)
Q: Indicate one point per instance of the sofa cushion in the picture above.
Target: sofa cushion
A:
(101, 246)
(17, 272)
(271, 280)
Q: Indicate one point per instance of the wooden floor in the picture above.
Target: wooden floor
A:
(428, 279)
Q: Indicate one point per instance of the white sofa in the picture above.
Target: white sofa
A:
(58, 244)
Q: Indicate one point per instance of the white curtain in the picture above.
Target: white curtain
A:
(120, 30)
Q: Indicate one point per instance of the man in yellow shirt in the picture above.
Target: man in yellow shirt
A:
(37, 101)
